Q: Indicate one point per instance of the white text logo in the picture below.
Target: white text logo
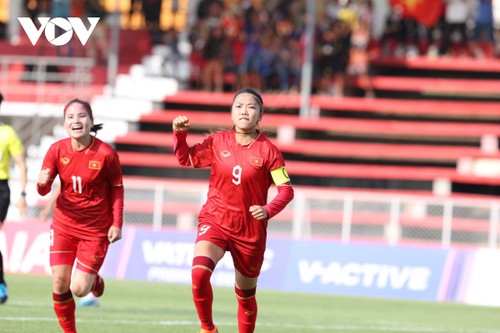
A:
(66, 25)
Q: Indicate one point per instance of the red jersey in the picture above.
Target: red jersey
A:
(84, 208)
(240, 178)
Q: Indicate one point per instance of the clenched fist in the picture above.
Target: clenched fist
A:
(44, 177)
(180, 123)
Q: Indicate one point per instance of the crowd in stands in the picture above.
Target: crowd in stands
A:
(242, 43)
(261, 43)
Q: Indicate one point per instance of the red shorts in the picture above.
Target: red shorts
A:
(247, 264)
(65, 248)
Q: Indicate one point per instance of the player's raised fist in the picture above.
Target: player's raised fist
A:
(43, 177)
(180, 123)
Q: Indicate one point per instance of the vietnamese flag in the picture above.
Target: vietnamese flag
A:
(426, 12)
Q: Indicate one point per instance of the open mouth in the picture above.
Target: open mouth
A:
(77, 127)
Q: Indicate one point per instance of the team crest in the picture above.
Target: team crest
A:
(257, 161)
(65, 160)
(95, 165)
(225, 153)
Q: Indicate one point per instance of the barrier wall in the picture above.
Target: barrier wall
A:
(319, 266)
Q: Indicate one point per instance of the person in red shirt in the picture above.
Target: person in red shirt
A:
(88, 214)
(244, 164)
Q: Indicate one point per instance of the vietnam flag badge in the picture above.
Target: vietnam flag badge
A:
(257, 161)
(95, 165)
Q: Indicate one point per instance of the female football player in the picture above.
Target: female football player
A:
(88, 214)
(244, 164)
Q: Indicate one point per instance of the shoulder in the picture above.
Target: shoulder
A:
(7, 129)
(103, 146)
(265, 142)
(219, 136)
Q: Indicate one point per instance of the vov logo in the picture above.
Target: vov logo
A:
(66, 25)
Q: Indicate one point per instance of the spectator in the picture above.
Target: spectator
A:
(214, 54)
(62, 8)
(98, 41)
(151, 10)
(483, 31)
(455, 27)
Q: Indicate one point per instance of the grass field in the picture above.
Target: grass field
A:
(144, 307)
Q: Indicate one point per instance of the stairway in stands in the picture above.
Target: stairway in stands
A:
(433, 129)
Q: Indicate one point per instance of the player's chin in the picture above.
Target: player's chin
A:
(77, 134)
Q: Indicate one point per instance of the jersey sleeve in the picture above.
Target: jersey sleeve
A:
(198, 156)
(115, 170)
(276, 161)
(16, 147)
(201, 153)
(49, 162)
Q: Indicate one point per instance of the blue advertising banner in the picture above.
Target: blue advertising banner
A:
(365, 270)
(327, 267)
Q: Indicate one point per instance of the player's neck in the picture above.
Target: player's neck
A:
(245, 137)
(82, 143)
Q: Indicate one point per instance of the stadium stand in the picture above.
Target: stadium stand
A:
(463, 79)
(399, 144)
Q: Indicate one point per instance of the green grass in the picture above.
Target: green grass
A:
(130, 306)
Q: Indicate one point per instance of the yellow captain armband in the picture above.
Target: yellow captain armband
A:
(280, 176)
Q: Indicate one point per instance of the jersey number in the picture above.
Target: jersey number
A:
(237, 170)
(77, 184)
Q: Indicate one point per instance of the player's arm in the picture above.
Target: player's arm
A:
(20, 161)
(117, 200)
(283, 198)
(50, 204)
(180, 126)
(197, 156)
(47, 173)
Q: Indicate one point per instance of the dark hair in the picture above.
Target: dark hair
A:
(85, 104)
(1, 98)
(96, 128)
(252, 92)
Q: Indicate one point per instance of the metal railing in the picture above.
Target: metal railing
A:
(70, 74)
(333, 214)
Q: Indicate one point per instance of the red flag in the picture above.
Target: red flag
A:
(426, 12)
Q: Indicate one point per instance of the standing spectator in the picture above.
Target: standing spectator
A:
(244, 164)
(214, 54)
(98, 41)
(62, 8)
(334, 49)
(11, 147)
(135, 6)
(88, 213)
(151, 10)
(483, 28)
(455, 26)
(359, 55)
(250, 66)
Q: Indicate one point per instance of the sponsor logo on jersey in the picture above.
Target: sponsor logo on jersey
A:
(225, 153)
(95, 165)
(64, 160)
(257, 161)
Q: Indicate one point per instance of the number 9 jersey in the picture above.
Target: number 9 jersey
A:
(240, 177)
